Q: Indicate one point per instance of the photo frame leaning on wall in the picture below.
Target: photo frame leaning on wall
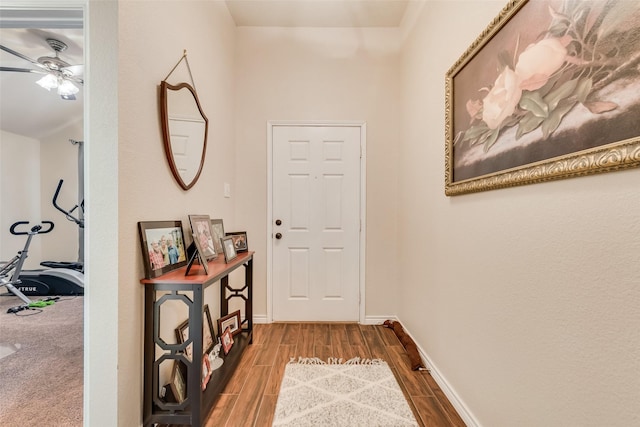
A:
(217, 228)
(178, 382)
(162, 244)
(239, 240)
(208, 334)
(530, 101)
(231, 321)
(229, 249)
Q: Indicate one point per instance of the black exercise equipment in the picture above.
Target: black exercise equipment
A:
(79, 220)
(55, 281)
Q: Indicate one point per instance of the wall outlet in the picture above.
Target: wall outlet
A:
(227, 190)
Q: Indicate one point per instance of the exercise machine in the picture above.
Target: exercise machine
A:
(79, 220)
(52, 281)
(10, 271)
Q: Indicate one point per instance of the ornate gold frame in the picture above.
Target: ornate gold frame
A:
(614, 156)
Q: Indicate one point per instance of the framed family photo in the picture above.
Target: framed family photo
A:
(203, 236)
(239, 240)
(549, 90)
(228, 248)
(231, 321)
(163, 247)
(208, 334)
(217, 228)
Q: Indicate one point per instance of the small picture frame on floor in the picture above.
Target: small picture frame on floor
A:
(206, 371)
(232, 322)
(227, 341)
(178, 385)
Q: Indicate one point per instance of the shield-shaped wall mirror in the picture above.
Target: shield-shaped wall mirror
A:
(184, 128)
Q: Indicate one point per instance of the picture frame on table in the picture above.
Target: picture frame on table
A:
(217, 228)
(208, 334)
(207, 331)
(531, 101)
(182, 334)
(239, 240)
(232, 322)
(203, 236)
(178, 383)
(227, 341)
(206, 371)
(228, 248)
(163, 247)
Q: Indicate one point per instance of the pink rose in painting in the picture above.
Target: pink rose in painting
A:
(474, 108)
(539, 61)
(502, 100)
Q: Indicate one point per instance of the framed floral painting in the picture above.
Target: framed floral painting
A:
(550, 90)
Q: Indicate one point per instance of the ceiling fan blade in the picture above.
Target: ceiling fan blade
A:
(19, 55)
(22, 70)
(75, 79)
(75, 70)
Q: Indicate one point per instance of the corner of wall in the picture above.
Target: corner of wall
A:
(465, 413)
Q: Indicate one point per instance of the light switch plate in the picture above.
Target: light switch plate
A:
(227, 190)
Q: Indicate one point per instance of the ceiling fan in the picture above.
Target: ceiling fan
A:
(58, 74)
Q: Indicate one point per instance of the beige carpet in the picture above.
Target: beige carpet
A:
(41, 364)
(356, 393)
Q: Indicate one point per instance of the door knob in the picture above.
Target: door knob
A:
(278, 236)
(278, 222)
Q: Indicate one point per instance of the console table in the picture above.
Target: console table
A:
(198, 403)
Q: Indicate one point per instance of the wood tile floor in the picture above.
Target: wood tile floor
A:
(250, 397)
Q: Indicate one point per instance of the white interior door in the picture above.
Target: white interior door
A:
(316, 223)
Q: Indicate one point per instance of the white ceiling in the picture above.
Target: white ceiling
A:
(317, 13)
(29, 110)
(26, 108)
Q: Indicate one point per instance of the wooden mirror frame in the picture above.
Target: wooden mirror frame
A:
(164, 113)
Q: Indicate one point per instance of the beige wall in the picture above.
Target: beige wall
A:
(525, 299)
(153, 35)
(20, 195)
(30, 170)
(321, 74)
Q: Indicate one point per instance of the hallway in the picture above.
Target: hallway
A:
(250, 397)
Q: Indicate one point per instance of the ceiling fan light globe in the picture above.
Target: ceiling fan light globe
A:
(48, 82)
(67, 88)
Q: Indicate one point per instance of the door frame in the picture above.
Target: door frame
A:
(363, 204)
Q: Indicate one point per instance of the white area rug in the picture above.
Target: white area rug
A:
(331, 394)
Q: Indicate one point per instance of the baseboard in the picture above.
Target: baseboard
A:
(259, 318)
(369, 320)
(446, 388)
(377, 320)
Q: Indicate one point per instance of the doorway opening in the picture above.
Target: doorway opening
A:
(316, 221)
(42, 129)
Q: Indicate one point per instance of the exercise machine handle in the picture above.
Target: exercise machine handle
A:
(70, 217)
(55, 197)
(36, 229)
